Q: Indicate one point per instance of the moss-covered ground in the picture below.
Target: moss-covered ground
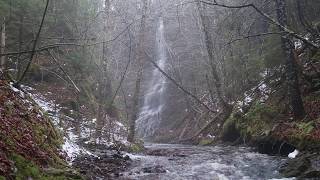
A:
(29, 143)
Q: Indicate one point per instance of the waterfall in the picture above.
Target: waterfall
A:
(150, 113)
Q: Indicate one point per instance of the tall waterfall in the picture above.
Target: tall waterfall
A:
(150, 113)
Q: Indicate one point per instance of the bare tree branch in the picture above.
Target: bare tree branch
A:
(269, 18)
(125, 71)
(178, 85)
(57, 45)
(252, 36)
(61, 68)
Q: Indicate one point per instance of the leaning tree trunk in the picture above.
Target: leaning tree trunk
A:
(294, 94)
(140, 60)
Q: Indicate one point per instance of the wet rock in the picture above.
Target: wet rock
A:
(165, 152)
(179, 155)
(303, 166)
(154, 169)
(230, 133)
(271, 146)
(92, 146)
(295, 167)
(156, 152)
(68, 173)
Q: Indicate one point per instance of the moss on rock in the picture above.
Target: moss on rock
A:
(136, 147)
(206, 141)
(27, 169)
(230, 130)
(257, 122)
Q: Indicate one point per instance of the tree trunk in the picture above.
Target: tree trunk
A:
(140, 60)
(20, 37)
(294, 94)
(302, 19)
(3, 45)
(135, 108)
(104, 87)
(217, 122)
(209, 47)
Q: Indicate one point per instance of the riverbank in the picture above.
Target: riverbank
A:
(268, 127)
(36, 142)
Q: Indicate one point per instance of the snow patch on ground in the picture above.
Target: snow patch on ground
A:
(44, 104)
(260, 92)
(70, 145)
(293, 154)
(73, 150)
(21, 93)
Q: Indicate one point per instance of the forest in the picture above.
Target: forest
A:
(159, 89)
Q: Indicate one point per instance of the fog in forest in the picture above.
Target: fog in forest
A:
(159, 89)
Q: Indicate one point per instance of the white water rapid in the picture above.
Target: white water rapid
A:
(150, 113)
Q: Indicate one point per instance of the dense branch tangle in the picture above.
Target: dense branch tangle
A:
(58, 45)
(268, 17)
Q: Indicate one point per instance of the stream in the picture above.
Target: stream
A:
(175, 162)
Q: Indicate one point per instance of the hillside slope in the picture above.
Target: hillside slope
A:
(29, 143)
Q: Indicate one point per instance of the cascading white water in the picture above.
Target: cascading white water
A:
(150, 113)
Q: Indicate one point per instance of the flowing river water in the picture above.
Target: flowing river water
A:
(183, 162)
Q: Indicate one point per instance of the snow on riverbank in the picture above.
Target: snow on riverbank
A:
(52, 109)
(66, 124)
(259, 92)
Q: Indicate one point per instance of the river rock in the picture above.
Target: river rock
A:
(303, 166)
(154, 169)
(165, 152)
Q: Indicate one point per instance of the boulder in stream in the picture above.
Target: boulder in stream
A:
(154, 169)
(303, 166)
